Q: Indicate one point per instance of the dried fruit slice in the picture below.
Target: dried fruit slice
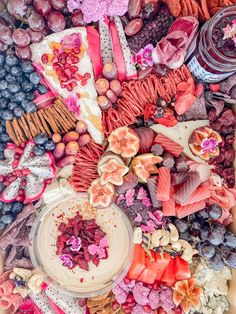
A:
(144, 165)
(113, 172)
(124, 141)
(101, 195)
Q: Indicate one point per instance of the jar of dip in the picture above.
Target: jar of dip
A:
(214, 57)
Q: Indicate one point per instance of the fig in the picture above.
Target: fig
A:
(81, 127)
(84, 139)
(104, 103)
(72, 148)
(133, 27)
(101, 195)
(102, 85)
(145, 165)
(109, 71)
(146, 137)
(111, 96)
(116, 87)
(124, 141)
(204, 143)
(106, 157)
(70, 136)
(129, 182)
(113, 172)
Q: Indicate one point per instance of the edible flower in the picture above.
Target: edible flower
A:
(143, 58)
(66, 260)
(100, 249)
(75, 243)
(186, 294)
(142, 195)
(73, 5)
(230, 31)
(209, 145)
(72, 104)
(71, 41)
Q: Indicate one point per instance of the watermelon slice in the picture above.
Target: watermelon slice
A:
(94, 50)
(148, 275)
(161, 262)
(182, 269)
(138, 264)
(118, 53)
(168, 276)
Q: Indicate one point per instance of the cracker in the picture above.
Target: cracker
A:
(25, 127)
(31, 124)
(38, 122)
(18, 131)
(44, 123)
(11, 132)
(50, 121)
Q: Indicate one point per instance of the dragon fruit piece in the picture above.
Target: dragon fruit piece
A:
(37, 161)
(44, 172)
(65, 302)
(34, 188)
(41, 300)
(131, 72)
(105, 41)
(11, 192)
(26, 154)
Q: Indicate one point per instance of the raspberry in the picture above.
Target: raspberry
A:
(214, 87)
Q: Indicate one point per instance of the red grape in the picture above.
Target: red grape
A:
(77, 18)
(56, 21)
(21, 37)
(35, 37)
(6, 35)
(36, 22)
(23, 53)
(58, 4)
(17, 8)
(42, 7)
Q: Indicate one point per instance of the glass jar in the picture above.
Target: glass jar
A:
(208, 62)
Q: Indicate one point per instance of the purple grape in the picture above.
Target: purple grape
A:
(206, 250)
(216, 262)
(215, 211)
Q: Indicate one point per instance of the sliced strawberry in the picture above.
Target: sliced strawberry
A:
(168, 276)
(161, 262)
(182, 269)
(138, 263)
(148, 275)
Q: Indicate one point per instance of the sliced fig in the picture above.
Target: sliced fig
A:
(145, 165)
(101, 195)
(106, 157)
(146, 137)
(124, 141)
(113, 172)
(129, 182)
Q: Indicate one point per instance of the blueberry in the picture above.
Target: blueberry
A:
(39, 151)
(11, 105)
(3, 84)
(24, 102)
(2, 226)
(7, 219)
(27, 86)
(2, 59)
(3, 103)
(14, 87)
(41, 138)
(34, 78)
(17, 207)
(7, 207)
(11, 60)
(30, 107)
(30, 96)
(6, 93)
(7, 68)
(15, 70)
(19, 97)
(2, 157)
(18, 111)
(3, 73)
(42, 89)
(50, 145)
(19, 79)
(4, 137)
(2, 187)
(1, 204)
(1, 147)
(7, 114)
(27, 66)
(9, 78)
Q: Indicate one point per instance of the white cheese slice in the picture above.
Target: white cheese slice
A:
(180, 133)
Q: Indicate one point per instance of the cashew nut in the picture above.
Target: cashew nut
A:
(22, 291)
(22, 272)
(174, 233)
(165, 238)
(156, 236)
(35, 282)
(187, 250)
(176, 246)
(137, 236)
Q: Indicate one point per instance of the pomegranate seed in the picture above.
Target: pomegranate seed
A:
(6, 182)
(75, 60)
(68, 72)
(214, 87)
(87, 76)
(63, 61)
(21, 192)
(63, 77)
(76, 50)
(78, 77)
(23, 182)
(69, 88)
(127, 311)
(15, 163)
(130, 298)
(83, 82)
(12, 178)
(44, 58)
(73, 84)
(20, 198)
(126, 280)
(147, 308)
(25, 172)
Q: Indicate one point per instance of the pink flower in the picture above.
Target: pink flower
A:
(72, 104)
(73, 5)
(143, 58)
(142, 195)
(149, 227)
(209, 145)
(66, 260)
(100, 249)
(27, 307)
(75, 244)
(230, 31)
(129, 197)
(71, 41)
(138, 218)
(120, 198)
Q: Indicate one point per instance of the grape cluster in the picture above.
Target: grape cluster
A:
(43, 143)
(25, 21)
(8, 211)
(213, 242)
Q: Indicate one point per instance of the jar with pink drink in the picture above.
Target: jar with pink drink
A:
(214, 57)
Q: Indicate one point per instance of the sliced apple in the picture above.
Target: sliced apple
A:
(124, 141)
(145, 165)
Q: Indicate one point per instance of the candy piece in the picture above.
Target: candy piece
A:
(181, 164)
(188, 187)
(152, 188)
(168, 160)
(163, 185)
(102, 85)
(178, 178)
(168, 145)
(157, 149)
(81, 127)
(111, 96)
(116, 87)
(183, 211)
(109, 71)
(133, 27)
(200, 194)
(168, 207)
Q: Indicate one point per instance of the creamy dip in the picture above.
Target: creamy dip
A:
(78, 281)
